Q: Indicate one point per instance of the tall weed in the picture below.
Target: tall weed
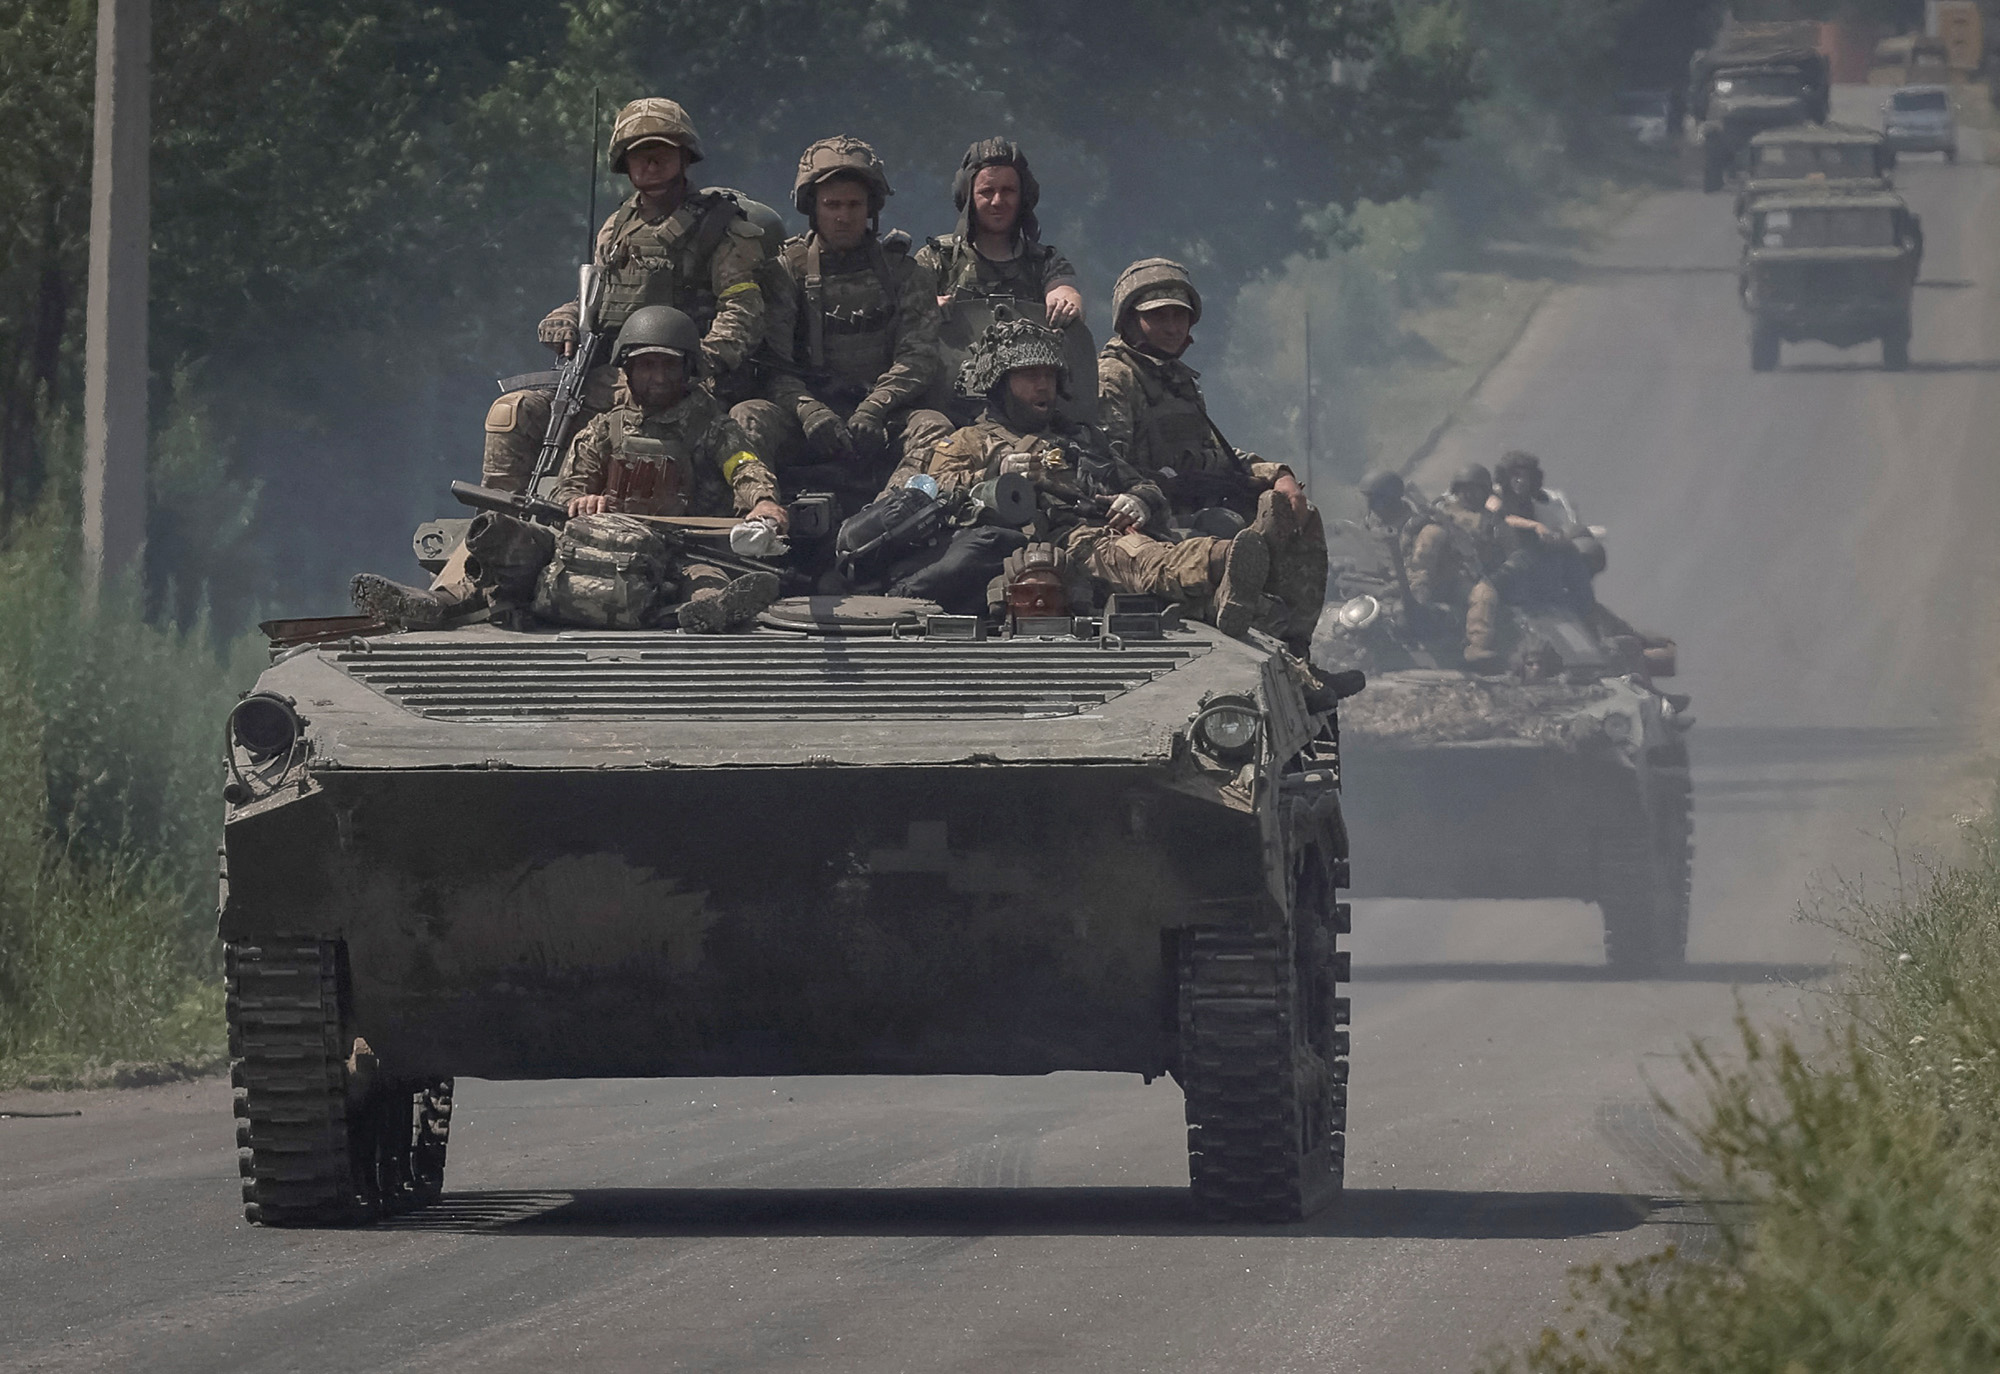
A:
(1869, 1168)
(109, 815)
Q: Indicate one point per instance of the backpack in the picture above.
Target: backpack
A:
(610, 572)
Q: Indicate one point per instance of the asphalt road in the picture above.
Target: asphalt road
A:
(1819, 541)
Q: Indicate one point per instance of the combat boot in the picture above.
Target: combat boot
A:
(713, 609)
(1239, 596)
(1483, 612)
(1298, 578)
(415, 608)
(505, 555)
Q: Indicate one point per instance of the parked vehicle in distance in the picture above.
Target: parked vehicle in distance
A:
(1646, 117)
(1918, 119)
(1908, 60)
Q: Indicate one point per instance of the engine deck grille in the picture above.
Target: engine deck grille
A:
(637, 676)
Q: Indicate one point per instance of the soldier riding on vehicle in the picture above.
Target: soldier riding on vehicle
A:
(1151, 402)
(695, 251)
(855, 334)
(995, 266)
(668, 450)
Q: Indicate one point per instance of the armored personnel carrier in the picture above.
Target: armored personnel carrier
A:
(860, 837)
(1565, 777)
(1841, 269)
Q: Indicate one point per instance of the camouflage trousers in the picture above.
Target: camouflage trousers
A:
(779, 439)
(1485, 625)
(517, 423)
(1174, 571)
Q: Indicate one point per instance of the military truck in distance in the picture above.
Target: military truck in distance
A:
(1567, 777)
(858, 838)
(1835, 159)
(1841, 269)
(1755, 77)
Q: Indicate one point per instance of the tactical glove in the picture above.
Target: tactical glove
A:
(871, 436)
(558, 329)
(828, 435)
(1131, 508)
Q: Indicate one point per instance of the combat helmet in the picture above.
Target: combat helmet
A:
(653, 120)
(657, 329)
(1148, 280)
(1519, 460)
(1473, 477)
(768, 221)
(1381, 487)
(841, 155)
(996, 152)
(1005, 346)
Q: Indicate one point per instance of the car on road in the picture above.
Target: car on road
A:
(1831, 157)
(1840, 269)
(1919, 119)
(859, 837)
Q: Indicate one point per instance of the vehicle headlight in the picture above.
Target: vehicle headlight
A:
(1618, 727)
(1227, 730)
(264, 725)
(1724, 87)
(1358, 613)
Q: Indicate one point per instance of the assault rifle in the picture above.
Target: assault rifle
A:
(573, 376)
(522, 506)
(1231, 489)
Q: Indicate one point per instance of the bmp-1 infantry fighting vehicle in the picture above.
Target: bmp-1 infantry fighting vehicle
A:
(1564, 777)
(1755, 77)
(1841, 269)
(1834, 159)
(859, 837)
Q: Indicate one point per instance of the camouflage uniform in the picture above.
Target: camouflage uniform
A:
(714, 471)
(863, 324)
(703, 258)
(965, 273)
(1154, 407)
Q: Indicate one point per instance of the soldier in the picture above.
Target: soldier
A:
(1539, 564)
(997, 249)
(855, 335)
(670, 449)
(663, 246)
(1151, 402)
(1018, 368)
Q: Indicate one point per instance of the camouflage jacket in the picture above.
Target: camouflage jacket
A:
(859, 329)
(701, 259)
(1074, 462)
(962, 271)
(706, 465)
(1154, 407)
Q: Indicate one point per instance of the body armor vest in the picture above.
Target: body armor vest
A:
(652, 469)
(847, 324)
(970, 274)
(1174, 432)
(667, 263)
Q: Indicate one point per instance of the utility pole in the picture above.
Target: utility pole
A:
(1309, 398)
(115, 425)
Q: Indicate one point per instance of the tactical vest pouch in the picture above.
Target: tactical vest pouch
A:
(610, 572)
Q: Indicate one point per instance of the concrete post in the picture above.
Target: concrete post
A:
(114, 347)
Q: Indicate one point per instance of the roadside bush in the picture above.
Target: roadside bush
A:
(109, 815)
(1858, 1193)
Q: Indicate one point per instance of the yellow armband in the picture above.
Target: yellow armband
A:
(736, 290)
(734, 464)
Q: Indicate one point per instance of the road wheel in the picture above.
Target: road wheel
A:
(1714, 165)
(1644, 925)
(1896, 350)
(1263, 1061)
(322, 1138)
(1764, 348)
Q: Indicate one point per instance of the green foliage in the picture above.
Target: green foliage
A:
(1869, 1169)
(109, 813)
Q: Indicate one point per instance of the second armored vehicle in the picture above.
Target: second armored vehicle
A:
(1834, 159)
(1566, 777)
(1841, 269)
